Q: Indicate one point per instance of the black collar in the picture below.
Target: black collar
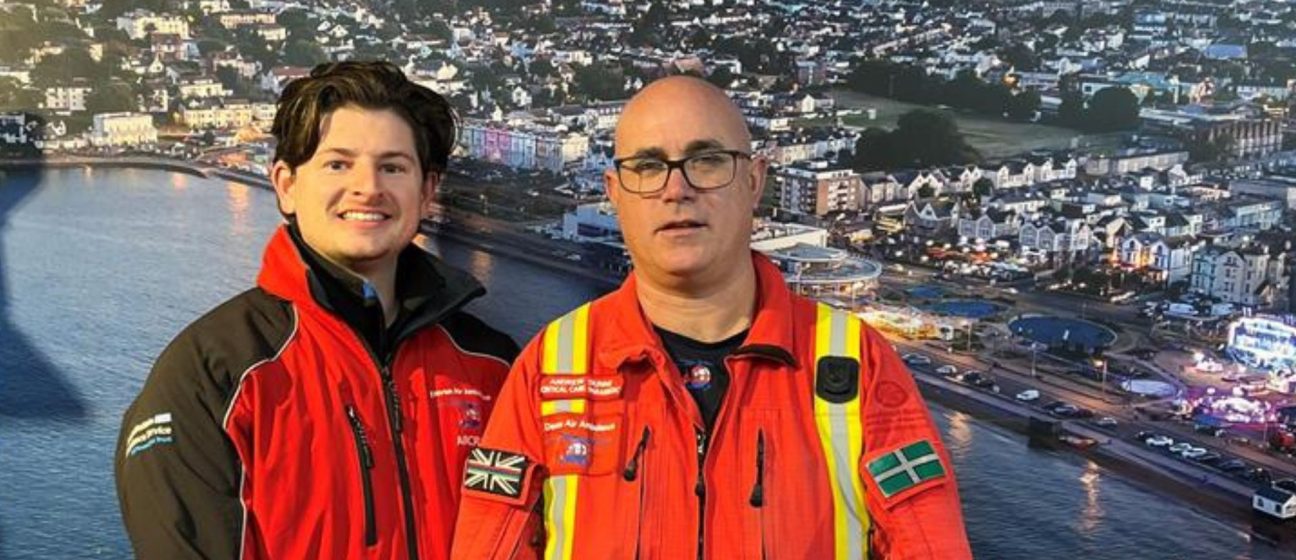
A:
(427, 291)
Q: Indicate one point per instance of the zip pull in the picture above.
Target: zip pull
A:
(758, 490)
(632, 468)
(393, 400)
(366, 454)
(700, 487)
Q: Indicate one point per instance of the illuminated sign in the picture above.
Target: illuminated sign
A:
(1265, 342)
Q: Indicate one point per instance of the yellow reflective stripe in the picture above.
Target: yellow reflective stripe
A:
(566, 344)
(565, 352)
(575, 406)
(560, 516)
(837, 333)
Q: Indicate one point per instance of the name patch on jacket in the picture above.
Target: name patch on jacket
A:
(498, 473)
(152, 431)
(581, 386)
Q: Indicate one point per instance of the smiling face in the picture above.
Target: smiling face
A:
(359, 198)
(680, 235)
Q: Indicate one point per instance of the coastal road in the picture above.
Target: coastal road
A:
(1012, 381)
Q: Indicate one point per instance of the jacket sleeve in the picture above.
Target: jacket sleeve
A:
(177, 471)
(910, 488)
(501, 521)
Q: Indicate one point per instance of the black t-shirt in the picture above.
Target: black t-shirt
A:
(702, 365)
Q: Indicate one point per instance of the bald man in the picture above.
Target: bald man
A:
(703, 410)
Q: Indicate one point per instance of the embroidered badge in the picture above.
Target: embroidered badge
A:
(580, 386)
(699, 376)
(577, 451)
(153, 431)
(906, 468)
(496, 472)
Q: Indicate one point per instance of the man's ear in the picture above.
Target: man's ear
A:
(429, 190)
(283, 179)
(610, 186)
(759, 167)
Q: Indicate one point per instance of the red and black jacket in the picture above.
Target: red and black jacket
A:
(289, 422)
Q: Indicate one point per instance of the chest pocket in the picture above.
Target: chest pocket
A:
(837, 421)
(581, 414)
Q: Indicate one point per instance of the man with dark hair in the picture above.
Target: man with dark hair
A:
(327, 412)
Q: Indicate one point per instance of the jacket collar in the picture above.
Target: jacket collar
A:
(771, 336)
(427, 289)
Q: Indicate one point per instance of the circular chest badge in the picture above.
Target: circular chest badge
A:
(699, 377)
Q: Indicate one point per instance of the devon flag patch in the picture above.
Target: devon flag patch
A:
(905, 468)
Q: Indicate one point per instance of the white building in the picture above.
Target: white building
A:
(140, 23)
(1244, 276)
(1275, 502)
(123, 130)
(202, 88)
(816, 188)
(1168, 260)
(596, 220)
(67, 98)
(206, 113)
(1060, 236)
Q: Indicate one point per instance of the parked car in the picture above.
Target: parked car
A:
(1028, 395)
(1084, 413)
(1159, 441)
(1054, 404)
(1192, 452)
(1258, 474)
(1065, 411)
(1285, 484)
(1180, 447)
(1214, 431)
(1106, 422)
(1210, 458)
(917, 359)
(1232, 465)
(1144, 435)
(947, 370)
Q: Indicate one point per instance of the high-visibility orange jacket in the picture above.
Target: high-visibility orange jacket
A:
(823, 447)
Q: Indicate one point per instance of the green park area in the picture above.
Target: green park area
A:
(993, 137)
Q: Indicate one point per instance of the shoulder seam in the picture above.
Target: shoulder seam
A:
(238, 388)
(461, 349)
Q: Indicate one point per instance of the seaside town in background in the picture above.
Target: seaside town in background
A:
(1078, 214)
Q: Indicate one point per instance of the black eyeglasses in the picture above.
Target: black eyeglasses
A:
(705, 171)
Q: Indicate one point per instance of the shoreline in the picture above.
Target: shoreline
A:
(1213, 501)
(1206, 498)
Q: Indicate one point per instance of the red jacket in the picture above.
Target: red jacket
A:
(288, 423)
(823, 447)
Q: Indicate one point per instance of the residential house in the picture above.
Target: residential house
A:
(1247, 275)
(817, 187)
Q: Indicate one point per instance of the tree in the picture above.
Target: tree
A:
(931, 138)
(1212, 151)
(15, 97)
(1072, 110)
(1024, 105)
(922, 138)
(1021, 57)
(983, 187)
(873, 150)
(303, 53)
(721, 77)
(1113, 109)
(926, 191)
(58, 69)
(111, 98)
(599, 82)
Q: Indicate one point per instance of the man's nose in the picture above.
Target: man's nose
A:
(677, 186)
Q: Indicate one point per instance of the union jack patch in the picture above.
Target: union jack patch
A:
(496, 472)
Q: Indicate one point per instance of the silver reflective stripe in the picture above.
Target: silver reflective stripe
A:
(838, 333)
(557, 524)
(566, 336)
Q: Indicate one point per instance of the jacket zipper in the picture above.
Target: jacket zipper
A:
(635, 470)
(392, 400)
(365, 455)
(700, 487)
